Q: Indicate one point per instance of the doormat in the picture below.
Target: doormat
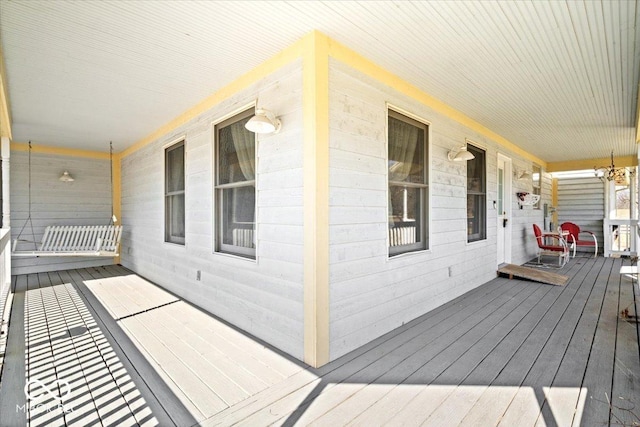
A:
(533, 274)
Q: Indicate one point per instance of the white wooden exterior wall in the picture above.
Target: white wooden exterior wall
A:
(263, 297)
(524, 245)
(581, 201)
(85, 201)
(371, 294)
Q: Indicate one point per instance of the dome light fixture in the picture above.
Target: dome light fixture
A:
(264, 121)
(66, 177)
(461, 156)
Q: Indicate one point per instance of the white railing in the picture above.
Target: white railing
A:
(402, 236)
(243, 237)
(620, 237)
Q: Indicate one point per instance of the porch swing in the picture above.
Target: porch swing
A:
(74, 240)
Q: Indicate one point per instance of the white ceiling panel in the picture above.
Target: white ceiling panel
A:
(558, 78)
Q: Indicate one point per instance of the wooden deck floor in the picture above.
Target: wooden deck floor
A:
(508, 353)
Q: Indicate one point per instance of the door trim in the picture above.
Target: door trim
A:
(507, 208)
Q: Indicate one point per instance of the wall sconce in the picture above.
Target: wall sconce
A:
(461, 156)
(66, 177)
(264, 121)
(522, 174)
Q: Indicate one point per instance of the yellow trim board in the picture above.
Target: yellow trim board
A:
(365, 66)
(315, 82)
(71, 152)
(586, 164)
(116, 191)
(554, 199)
(638, 116)
(5, 109)
(269, 66)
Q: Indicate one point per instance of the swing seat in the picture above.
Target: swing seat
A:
(79, 240)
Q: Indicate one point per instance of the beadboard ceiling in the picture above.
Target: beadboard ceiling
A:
(557, 78)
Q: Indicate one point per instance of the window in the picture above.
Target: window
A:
(408, 184)
(235, 186)
(537, 177)
(174, 193)
(476, 195)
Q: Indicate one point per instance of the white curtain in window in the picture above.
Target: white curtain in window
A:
(244, 143)
(403, 139)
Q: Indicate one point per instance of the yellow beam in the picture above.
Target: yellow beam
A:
(71, 152)
(116, 192)
(271, 65)
(5, 109)
(577, 165)
(638, 116)
(315, 86)
(554, 199)
(360, 63)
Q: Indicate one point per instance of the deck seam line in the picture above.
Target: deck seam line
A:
(147, 310)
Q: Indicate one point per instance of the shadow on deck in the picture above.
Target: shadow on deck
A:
(510, 352)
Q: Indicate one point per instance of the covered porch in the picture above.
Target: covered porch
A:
(508, 352)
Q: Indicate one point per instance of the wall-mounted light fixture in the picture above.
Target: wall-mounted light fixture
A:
(522, 174)
(461, 156)
(66, 177)
(264, 121)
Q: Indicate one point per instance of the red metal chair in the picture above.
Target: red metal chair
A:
(574, 237)
(561, 249)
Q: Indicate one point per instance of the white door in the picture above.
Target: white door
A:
(503, 208)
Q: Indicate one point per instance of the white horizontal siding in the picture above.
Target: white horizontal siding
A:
(370, 294)
(85, 201)
(581, 201)
(263, 297)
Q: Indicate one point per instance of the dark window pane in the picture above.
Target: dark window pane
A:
(174, 194)
(408, 179)
(476, 195)
(406, 152)
(236, 153)
(175, 169)
(237, 215)
(176, 215)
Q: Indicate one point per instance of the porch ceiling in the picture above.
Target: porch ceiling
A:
(559, 79)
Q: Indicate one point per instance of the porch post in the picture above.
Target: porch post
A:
(316, 199)
(5, 153)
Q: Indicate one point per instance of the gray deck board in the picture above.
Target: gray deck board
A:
(547, 336)
(303, 388)
(565, 391)
(526, 404)
(398, 362)
(626, 376)
(510, 352)
(14, 367)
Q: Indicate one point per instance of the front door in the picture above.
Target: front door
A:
(503, 208)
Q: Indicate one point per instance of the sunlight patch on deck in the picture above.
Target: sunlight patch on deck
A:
(562, 399)
(207, 364)
(432, 405)
(127, 295)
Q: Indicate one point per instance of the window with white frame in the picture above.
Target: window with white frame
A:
(476, 195)
(174, 228)
(408, 184)
(536, 181)
(235, 186)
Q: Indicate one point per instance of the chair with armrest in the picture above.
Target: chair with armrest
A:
(559, 248)
(573, 237)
